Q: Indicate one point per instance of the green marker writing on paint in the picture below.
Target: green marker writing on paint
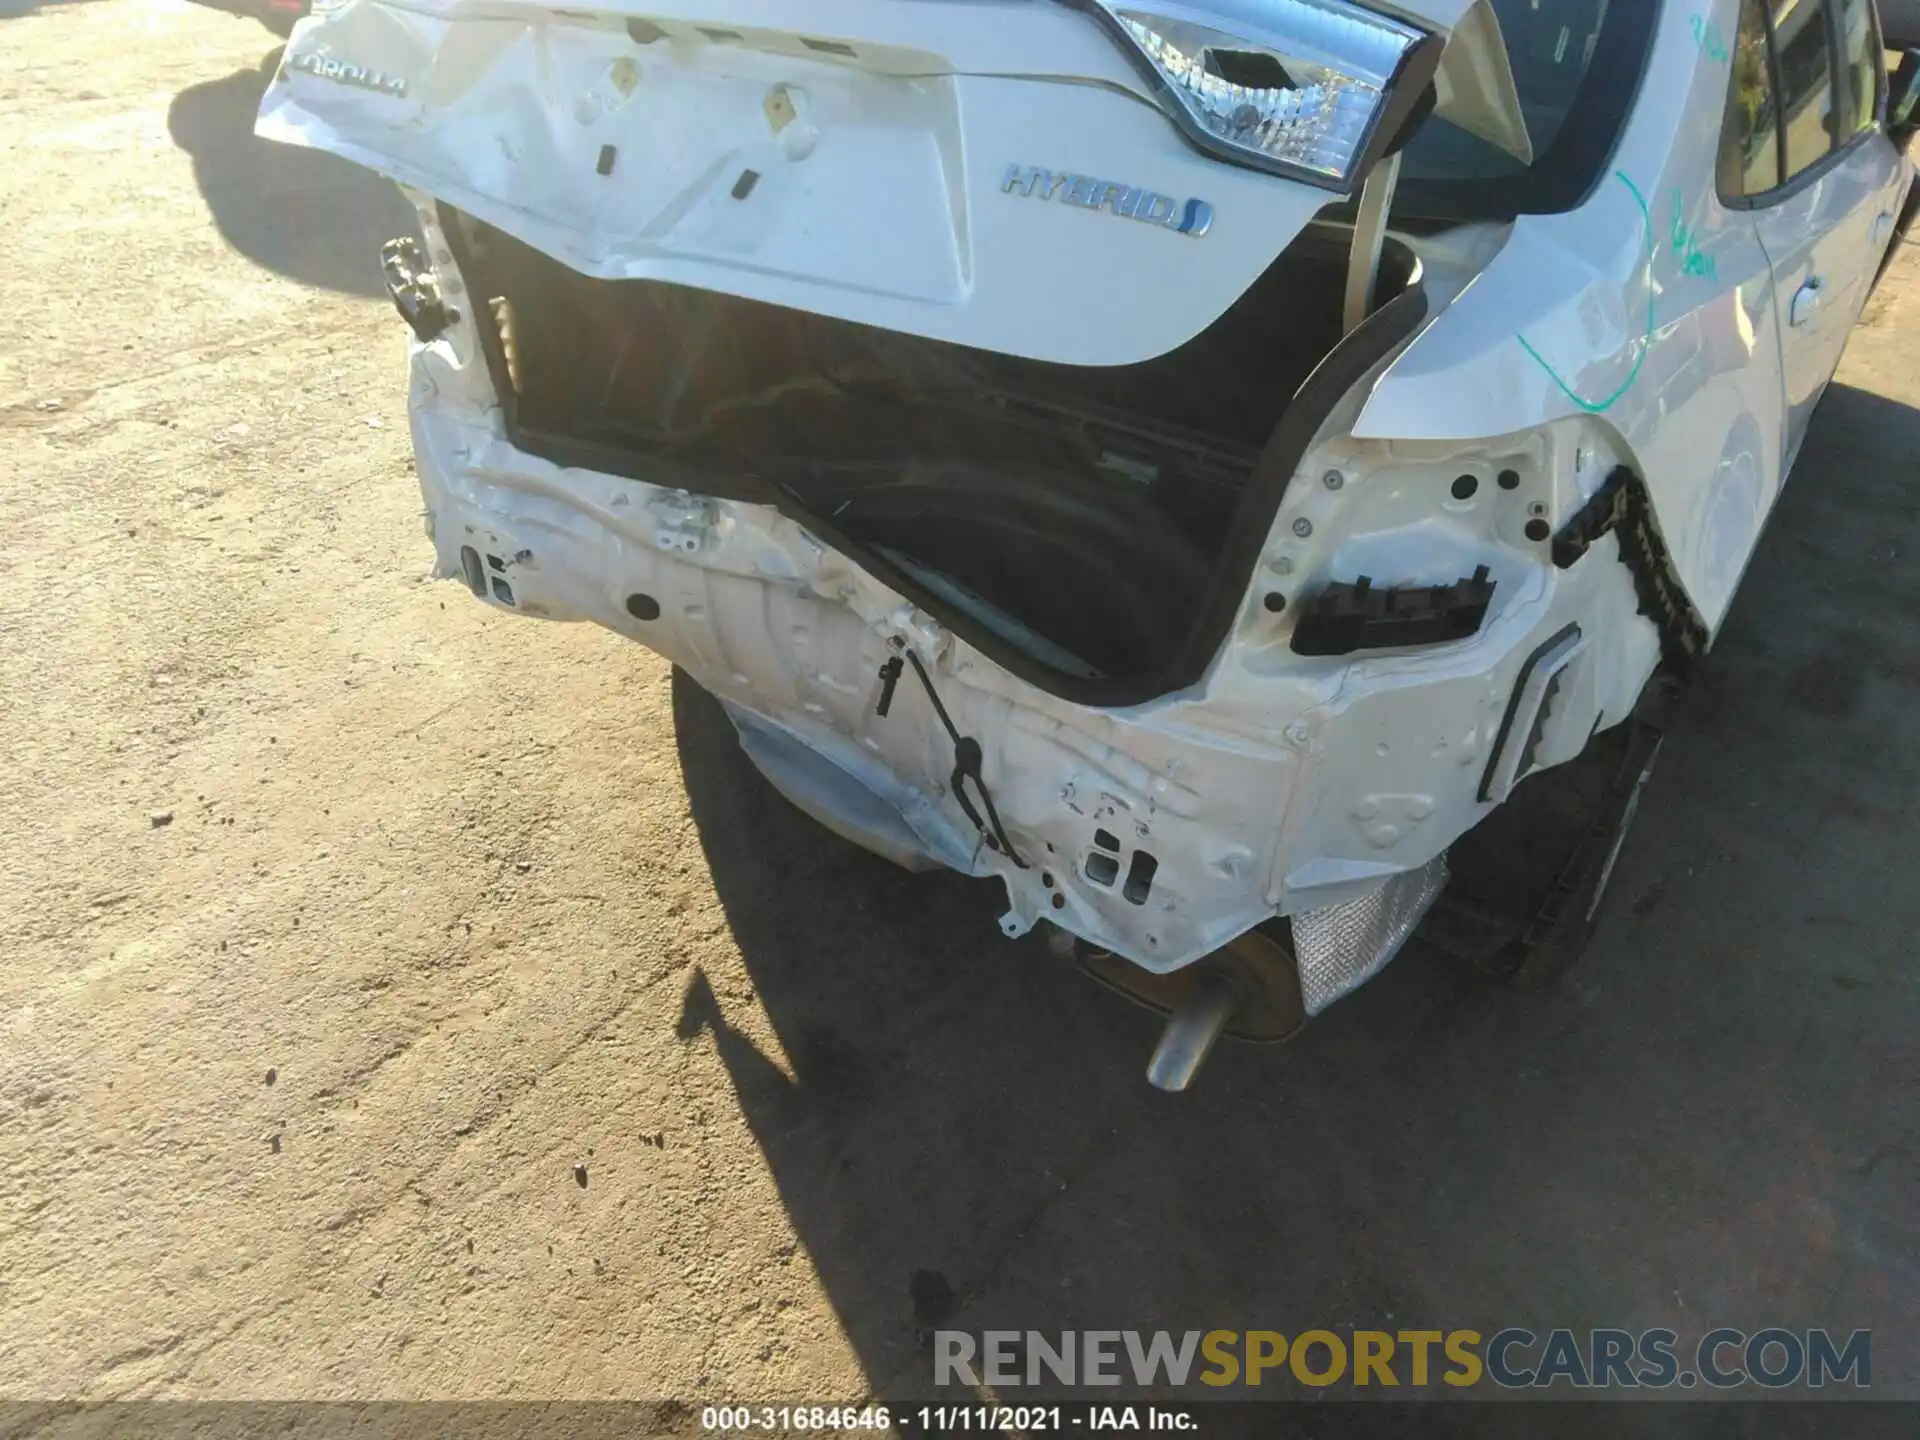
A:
(1692, 262)
(1594, 407)
(1707, 36)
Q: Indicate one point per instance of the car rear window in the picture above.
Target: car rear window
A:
(1551, 48)
(1750, 135)
(1577, 66)
(1803, 54)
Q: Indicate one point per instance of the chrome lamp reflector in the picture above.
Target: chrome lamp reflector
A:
(1300, 87)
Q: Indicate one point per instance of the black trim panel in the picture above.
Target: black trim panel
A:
(1353, 357)
(1783, 193)
(1620, 507)
(1527, 667)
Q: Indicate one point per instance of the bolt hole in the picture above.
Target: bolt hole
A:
(643, 607)
(1509, 479)
(1538, 530)
(1046, 878)
(1464, 486)
(1140, 877)
(1059, 901)
(1275, 602)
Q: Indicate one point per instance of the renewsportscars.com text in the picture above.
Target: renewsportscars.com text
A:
(1772, 1358)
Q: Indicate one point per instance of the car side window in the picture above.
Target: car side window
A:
(1750, 135)
(1803, 54)
(1861, 65)
(1784, 114)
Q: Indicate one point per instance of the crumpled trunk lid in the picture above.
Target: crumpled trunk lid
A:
(953, 169)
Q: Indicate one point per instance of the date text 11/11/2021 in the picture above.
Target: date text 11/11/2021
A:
(942, 1419)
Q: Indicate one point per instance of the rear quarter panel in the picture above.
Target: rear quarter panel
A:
(1649, 307)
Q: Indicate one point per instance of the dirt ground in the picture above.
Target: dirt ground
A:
(405, 1000)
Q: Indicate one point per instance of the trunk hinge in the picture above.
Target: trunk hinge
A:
(1369, 231)
(681, 521)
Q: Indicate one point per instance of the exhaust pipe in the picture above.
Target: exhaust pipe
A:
(1191, 1032)
(1248, 989)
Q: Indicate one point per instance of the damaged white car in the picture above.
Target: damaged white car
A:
(1193, 460)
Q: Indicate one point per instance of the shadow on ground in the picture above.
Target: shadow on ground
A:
(280, 22)
(306, 215)
(1711, 1122)
(15, 9)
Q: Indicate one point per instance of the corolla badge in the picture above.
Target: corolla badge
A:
(345, 72)
(1130, 202)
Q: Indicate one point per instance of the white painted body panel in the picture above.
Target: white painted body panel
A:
(881, 203)
(1641, 329)
(1597, 312)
